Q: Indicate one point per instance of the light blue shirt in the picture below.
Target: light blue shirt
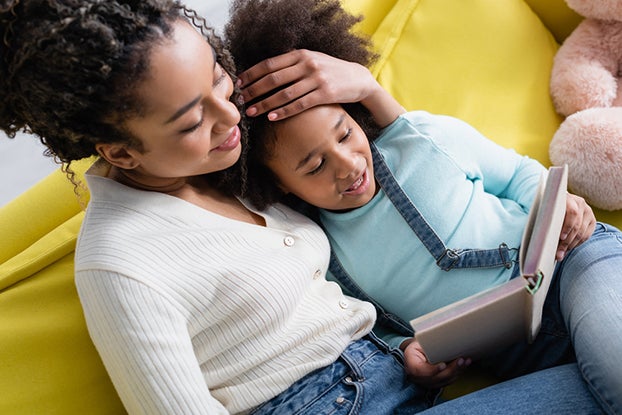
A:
(474, 194)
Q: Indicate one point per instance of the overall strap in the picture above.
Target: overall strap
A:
(446, 258)
(384, 318)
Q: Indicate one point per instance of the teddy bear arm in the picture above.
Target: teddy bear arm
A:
(584, 85)
(584, 73)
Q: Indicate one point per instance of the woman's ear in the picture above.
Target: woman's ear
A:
(118, 155)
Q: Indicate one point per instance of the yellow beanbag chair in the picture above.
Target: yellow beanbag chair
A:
(48, 364)
(485, 61)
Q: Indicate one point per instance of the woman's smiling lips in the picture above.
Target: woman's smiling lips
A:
(231, 142)
(360, 186)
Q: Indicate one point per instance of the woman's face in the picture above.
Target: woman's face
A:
(189, 126)
(322, 156)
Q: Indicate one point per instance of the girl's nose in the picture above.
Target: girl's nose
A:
(346, 165)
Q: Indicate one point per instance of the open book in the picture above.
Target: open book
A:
(512, 311)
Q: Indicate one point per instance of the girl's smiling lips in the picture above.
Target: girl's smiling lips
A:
(360, 186)
(231, 142)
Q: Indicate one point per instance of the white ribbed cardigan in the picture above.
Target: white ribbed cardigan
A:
(194, 313)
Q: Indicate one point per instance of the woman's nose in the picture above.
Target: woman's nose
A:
(227, 113)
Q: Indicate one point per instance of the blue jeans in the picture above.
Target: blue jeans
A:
(582, 321)
(369, 378)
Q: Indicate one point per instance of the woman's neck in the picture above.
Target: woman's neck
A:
(137, 181)
(196, 190)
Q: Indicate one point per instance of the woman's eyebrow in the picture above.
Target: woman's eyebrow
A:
(192, 103)
(183, 110)
(214, 55)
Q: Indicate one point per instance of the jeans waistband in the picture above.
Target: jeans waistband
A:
(359, 351)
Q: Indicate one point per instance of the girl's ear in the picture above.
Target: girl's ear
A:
(283, 188)
(119, 155)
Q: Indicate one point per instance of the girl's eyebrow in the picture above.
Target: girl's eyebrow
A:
(305, 160)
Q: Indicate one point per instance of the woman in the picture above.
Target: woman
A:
(196, 302)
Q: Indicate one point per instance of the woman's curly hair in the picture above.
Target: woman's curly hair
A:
(69, 70)
(261, 29)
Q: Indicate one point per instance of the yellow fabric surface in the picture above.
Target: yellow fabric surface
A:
(557, 16)
(485, 61)
(48, 364)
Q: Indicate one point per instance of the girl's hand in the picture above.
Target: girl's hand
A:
(313, 78)
(579, 224)
(426, 374)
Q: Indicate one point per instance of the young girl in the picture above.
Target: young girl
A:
(471, 192)
(196, 302)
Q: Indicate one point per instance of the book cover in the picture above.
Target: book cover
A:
(512, 311)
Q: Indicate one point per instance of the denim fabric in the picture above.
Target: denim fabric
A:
(446, 259)
(583, 309)
(368, 379)
(559, 390)
(591, 303)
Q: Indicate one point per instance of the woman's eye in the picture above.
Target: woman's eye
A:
(346, 136)
(317, 169)
(193, 128)
(221, 74)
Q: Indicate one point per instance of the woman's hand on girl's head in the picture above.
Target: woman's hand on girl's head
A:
(426, 374)
(579, 224)
(314, 78)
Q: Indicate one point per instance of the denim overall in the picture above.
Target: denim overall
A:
(446, 258)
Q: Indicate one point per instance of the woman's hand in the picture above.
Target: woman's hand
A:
(426, 374)
(579, 224)
(312, 78)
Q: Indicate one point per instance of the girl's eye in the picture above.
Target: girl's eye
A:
(318, 168)
(346, 136)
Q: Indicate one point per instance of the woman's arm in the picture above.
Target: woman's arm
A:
(315, 79)
(145, 345)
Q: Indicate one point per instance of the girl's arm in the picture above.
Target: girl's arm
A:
(315, 78)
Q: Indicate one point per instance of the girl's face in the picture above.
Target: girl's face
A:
(189, 126)
(322, 156)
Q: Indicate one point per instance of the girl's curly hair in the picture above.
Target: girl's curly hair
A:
(69, 70)
(261, 29)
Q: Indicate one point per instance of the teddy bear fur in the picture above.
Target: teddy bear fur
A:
(585, 89)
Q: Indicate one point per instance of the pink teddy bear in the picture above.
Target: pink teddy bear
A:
(585, 88)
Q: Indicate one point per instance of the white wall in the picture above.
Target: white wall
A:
(22, 162)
